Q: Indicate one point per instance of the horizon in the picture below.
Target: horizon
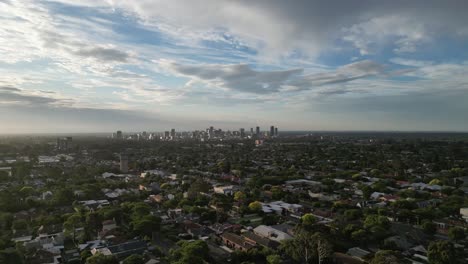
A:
(109, 133)
(88, 66)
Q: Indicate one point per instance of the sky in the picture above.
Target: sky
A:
(104, 65)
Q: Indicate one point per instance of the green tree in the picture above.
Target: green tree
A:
(190, 252)
(352, 214)
(102, 259)
(429, 227)
(146, 225)
(240, 196)
(386, 257)
(255, 206)
(274, 259)
(442, 252)
(308, 221)
(456, 233)
(376, 220)
(134, 259)
(10, 256)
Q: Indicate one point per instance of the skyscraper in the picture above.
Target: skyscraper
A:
(119, 134)
(251, 131)
(123, 163)
(276, 131)
(173, 133)
(257, 131)
(242, 133)
(272, 131)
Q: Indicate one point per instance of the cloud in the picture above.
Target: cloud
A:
(237, 77)
(29, 31)
(278, 28)
(241, 78)
(13, 95)
(412, 63)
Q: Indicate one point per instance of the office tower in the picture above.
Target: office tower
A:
(251, 131)
(173, 133)
(123, 163)
(257, 131)
(272, 131)
(119, 135)
(166, 134)
(242, 133)
(276, 131)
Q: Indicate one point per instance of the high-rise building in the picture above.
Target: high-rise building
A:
(257, 131)
(173, 133)
(251, 131)
(276, 131)
(119, 135)
(123, 163)
(166, 134)
(272, 131)
(242, 133)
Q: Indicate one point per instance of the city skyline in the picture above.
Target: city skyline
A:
(99, 66)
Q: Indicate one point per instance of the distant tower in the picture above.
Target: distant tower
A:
(257, 131)
(276, 131)
(166, 134)
(123, 163)
(272, 131)
(119, 134)
(242, 133)
(251, 131)
(173, 133)
(211, 131)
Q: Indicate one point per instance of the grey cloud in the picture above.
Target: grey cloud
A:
(343, 74)
(242, 78)
(15, 95)
(8, 89)
(238, 77)
(55, 40)
(103, 54)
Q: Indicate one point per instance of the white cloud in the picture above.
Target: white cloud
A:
(278, 28)
(412, 63)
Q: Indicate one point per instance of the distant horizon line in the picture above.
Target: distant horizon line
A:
(281, 131)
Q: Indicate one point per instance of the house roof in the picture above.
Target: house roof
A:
(238, 240)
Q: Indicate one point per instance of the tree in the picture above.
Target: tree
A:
(255, 206)
(270, 219)
(359, 235)
(429, 227)
(102, 259)
(306, 247)
(376, 220)
(456, 233)
(190, 252)
(10, 256)
(134, 259)
(352, 214)
(274, 259)
(146, 225)
(442, 252)
(239, 196)
(308, 221)
(386, 257)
